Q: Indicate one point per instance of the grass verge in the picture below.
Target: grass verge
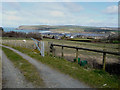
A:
(28, 70)
(93, 77)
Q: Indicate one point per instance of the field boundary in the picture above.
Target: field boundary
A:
(77, 48)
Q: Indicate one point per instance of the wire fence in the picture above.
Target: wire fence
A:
(86, 49)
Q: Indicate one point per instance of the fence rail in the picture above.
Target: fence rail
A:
(100, 51)
(77, 48)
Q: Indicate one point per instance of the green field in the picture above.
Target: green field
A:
(70, 54)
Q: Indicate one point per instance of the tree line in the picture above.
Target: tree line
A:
(21, 35)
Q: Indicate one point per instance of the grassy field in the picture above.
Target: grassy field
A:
(28, 70)
(109, 47)
(92, 77)
(81, 39)
(70, 54)
(85, 55)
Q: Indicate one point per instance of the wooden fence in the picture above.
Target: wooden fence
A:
(77, 48)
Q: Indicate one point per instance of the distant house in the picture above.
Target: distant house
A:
(67, 35)
(72, 36)
(56, 37)
(83, 36)
(98, 37)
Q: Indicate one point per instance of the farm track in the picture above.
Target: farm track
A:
(12, 77)
(51, 77)
(0, 68)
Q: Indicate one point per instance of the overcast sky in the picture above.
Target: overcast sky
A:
(103, 14)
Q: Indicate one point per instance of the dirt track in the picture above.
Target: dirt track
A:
(51, 77)
(0, 68)
(11, 76)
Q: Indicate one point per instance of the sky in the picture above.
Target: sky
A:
(99, 14)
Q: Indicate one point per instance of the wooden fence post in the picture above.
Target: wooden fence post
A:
(104, 60)
(49, 44)
(38, 44)
(76, 54)
(53, 51)
(35, 45)
(62, 52)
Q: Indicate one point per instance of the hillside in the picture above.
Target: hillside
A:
(67, 28)
(37, 27)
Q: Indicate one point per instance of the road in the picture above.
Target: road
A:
(51, 77)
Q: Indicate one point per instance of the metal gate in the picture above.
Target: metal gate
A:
(40, 46)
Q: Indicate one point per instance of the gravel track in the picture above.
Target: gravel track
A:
(11, 76)
(51, 77)
(0, 68)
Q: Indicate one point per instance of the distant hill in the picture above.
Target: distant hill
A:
(35, 27)
(67, 28)
(43, 27)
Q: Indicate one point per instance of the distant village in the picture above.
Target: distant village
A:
(106, 36)
(77, 35)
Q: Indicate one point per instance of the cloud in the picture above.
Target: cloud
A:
(103, 23)
(111, 10)
(73, 7)
(0, 14)
(10, 12)
(52, 14)
(57, 14)
(13, 18)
